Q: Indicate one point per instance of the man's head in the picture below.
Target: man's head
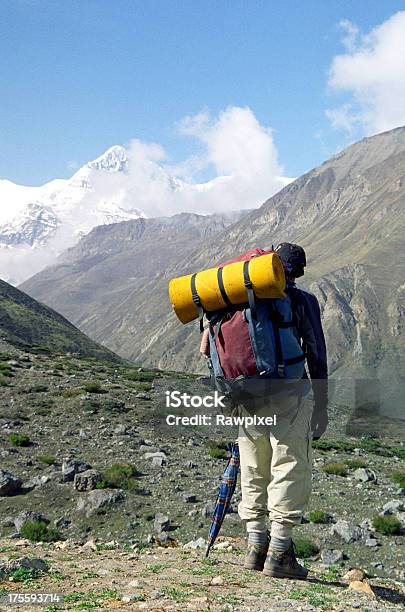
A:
(293, 258)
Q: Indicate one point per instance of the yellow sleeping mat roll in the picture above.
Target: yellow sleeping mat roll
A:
(218, 287)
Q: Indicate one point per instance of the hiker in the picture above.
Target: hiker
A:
(276, 463)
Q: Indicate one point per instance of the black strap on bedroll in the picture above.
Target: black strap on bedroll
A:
(222, 287)
(197, 302)
(249, 287)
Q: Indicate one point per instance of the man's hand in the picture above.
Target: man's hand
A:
(319, 422)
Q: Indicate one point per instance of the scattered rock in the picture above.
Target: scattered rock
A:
(330, 557)
(70, 467)
(9, 484)
(354, 574)
(194, 544)
(347, 531)
(28, 515)
(371, 542)
(121, 430)
(143, 396)
(217, 581)
(395, 505)
(154, 455)
(86, 481)
(161, 522)
(98, 499)
(365, 475)
(189, 499)
(362, 587)
(90, 545)
(37, 481)
(158, 462)
(207, 510)
(24, 562)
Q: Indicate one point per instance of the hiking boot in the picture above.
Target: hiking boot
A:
(284, 565)
(256, 555)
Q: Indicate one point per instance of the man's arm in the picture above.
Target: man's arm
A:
(314, 346)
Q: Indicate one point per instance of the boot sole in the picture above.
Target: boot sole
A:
(276, 574)
(257, 568)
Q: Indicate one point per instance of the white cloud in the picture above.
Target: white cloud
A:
(372, 74)
(239, 150)
(233, 148)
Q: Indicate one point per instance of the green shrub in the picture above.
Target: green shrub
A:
(22, 574)
(36, 531)
(318, 516)
(305, 548)
(354, 464)
(47, 459)
(93, 386)
(38, 389)
(19, 439)
(398, 451)
(325, 444)
(3, 381)
(142, 376)
(74, 392)
(399, 478)
(217, 449)
(119, 476)
(387, 525)
(338, 469)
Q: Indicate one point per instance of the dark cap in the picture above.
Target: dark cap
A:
(293, 258)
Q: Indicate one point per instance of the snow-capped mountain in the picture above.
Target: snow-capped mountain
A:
(37, 223)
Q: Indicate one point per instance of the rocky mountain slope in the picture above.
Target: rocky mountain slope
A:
(85, 458)
(26, 323)
(348, 214)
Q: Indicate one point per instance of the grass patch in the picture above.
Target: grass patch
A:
(325, 444)
(399, 478)
(93, 386)
(338, 469)
(318, 516)
(142, 376)
(74, 392)
(23, 574)
(119, 476)
(217, 449)
(355, 464)
(47, 459)
(87, 600)
(176, 594)
(37, 389)
(387, 525)
(19, 439)
(305, 548)
(36, 531)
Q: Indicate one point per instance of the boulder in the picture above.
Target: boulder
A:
(161, 522)
(395, 505)
(70, 467)
(365, 475)
(9, 484)
(27, 516)
(8, 567)
(86, 481)
(99, 499)
(330, 557)
(349, 532)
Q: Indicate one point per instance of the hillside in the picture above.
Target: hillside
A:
(127, 505)
(25, 323)
(348, 214)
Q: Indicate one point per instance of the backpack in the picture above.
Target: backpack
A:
(254, 347)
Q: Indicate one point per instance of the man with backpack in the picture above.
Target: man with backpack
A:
(276, 463)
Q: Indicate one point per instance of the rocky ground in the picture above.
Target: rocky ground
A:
(85, 465)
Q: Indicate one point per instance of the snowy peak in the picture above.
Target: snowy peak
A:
(115, 159)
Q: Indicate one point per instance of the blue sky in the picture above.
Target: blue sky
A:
(80, 76)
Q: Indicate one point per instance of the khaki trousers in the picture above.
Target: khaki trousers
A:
(276, 464)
